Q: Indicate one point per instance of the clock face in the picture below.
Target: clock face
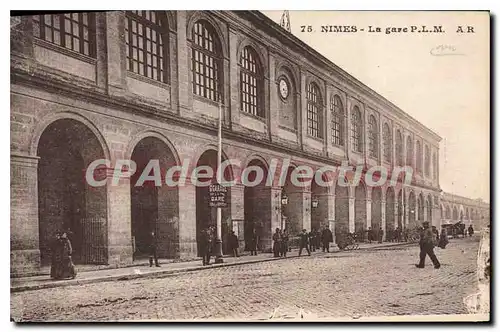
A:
(283, 87)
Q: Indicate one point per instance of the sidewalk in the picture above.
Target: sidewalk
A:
(144, 271)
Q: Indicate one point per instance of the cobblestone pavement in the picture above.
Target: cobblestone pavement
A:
(348, 284)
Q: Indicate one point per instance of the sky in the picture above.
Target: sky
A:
(448, 92)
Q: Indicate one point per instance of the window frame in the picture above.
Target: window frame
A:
(314, 111)
(251, 95)
(337, 120)
(418, 157)
(161, 31)
(372, 137)
(409, 151)
(40, 27)
(387, 143)
(211, 88)
(399, 148)
(357, 130)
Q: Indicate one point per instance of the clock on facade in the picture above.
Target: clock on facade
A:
(283, 87)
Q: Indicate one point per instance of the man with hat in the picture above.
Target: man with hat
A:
(427, 243)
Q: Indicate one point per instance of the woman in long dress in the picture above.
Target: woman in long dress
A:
(67, 268)
(56, 259)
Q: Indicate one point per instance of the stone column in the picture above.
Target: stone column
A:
(187, 220)
(351, 212)
(273, 96)
(116, 53)
(238, 212)
(234, 80)
(102, 61)
(24, 236)
(183, 58)
(119, 223)
(368, 212)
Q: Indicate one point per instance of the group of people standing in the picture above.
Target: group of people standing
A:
(310, 241)
(62, 266)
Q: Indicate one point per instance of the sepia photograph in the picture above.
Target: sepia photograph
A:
(250, 166)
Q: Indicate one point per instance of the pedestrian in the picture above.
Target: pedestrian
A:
(56, 250)
(370, 235)
(233, 244)
(436, 233)
(427, 243)
(253, 243)
(284, 242)
(205, 246)
(276, 243)
(326, 238)
(471, 230)
(443, 238)
(153, 249)
(380, 235)
(304, 242)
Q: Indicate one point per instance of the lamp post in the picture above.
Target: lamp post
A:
(314, 202)
(218, 240)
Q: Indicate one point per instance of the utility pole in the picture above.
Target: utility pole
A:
(218, 241)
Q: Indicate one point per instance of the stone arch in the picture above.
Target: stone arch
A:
(310, 79)
(151, 133)
(455, 215)
(210, 146)
(261, 54)
(48, 120)
(291, 71)
(360, 220)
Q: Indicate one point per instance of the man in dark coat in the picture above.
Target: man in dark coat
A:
(276, 243)
(427, 243)
(253, 243)
(304, 242)
(380, 235)
(233, 244)
(205, 246)
(326, 238)
(471, 230)
(284, 243)
(153, 249)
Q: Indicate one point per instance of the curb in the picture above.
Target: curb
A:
(159, 274)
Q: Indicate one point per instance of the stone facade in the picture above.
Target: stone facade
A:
(105, 111)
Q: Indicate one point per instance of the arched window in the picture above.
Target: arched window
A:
(314, 111)
(372, 137)
(419, 157)
(251, 83)
(357, 130)
(387, 137)
(147, 49)
(434, 166)
(427, 161)
(399, 148)
(409, 151)
(74, 31)
(337, 112)
(206, 62)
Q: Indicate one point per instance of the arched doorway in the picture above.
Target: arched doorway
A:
(65, 200)
(429, 209)
(389, 210)
(154, 207)
(467, 215)
(376, 210)
(341, 211)
(412, 223)
(257, 200)
(455, 214)
(360, 211)
(206, 216)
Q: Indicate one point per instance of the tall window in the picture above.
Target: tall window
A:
(387, 137)
(419, 157)
(399, 148)
(314, 111)
(74, 31)
(356, 130)
(147, 53)
(434, 166)
(373, 137)
(206, 62)
(409, 151)
(251, 83)
(337, 124)
(427, 161)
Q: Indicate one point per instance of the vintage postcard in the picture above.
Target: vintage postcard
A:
(250, 166)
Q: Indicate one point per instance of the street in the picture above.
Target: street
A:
(375, 282)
